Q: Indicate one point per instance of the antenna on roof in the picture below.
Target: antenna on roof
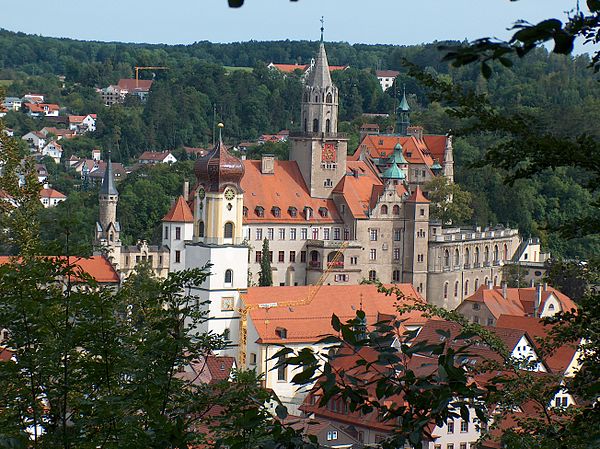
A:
(322, 28)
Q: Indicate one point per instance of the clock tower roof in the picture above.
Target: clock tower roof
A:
(219, 168)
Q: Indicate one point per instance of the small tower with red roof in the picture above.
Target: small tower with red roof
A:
(415, 260)
(178, 228)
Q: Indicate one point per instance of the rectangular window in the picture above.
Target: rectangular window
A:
(252, 358)
(166, 232)
(270, 233)
(303, 234)
(353, 260)
(258, 257)
(336, 233)
(293, 234)
(373, 234)
(259, 234)
(463, 445)
(464, 426)
(396, 253)
(281, 233)
(315, 233)
(177, 233)
(450, 426)
(397, 234)
(292, 256)
(346, 234)
(281, 257)
(281, 370)
(271, 256)
(177, 256)
(332, 435)
(302, 256)
(422, 212)
(325, 233)
(372, 254)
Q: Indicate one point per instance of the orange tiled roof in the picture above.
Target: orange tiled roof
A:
(39, 107)
(132, 84)
(308, 323)
(415, 151)
(359, 187)
(51, 193)
(560, 359)
(289, 68)
(96, 266)
(154, 155)
(283, 189)
(417, 196)
(387, 73)
(180, 212)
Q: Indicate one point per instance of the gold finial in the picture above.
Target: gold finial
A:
(220, 125)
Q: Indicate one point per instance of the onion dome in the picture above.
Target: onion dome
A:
(397, 157)
(436, 167)
(219, 168)
(393, 172)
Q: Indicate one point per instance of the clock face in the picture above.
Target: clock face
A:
(229, 194)
(201, 193)
(329, 153)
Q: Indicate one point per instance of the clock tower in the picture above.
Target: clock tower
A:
(318, 149)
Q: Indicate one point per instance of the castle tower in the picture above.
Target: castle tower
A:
(403, 116)
(107, 227)
(178, 228)
(416, 216)
(319, 150)
(218, 240)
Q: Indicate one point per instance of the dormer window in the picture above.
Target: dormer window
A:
(276, 211)
(281, 332)
(323, 212)
(260, 211)
(293, 211)
(308, 212)
(245, 211)
(408, 154)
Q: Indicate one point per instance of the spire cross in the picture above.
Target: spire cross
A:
(322, 29)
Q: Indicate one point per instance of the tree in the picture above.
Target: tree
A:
(449, 203)
(265, 276)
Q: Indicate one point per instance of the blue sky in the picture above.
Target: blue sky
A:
(186, 21)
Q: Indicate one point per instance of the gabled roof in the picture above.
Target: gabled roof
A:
(39, 107)
(417, 196)
(308, 323)
(359, 186)
(265, 190)
(386, 73)
(97, 267)
(560, 359)
(180, 212)
(415, 151)
(154, 155)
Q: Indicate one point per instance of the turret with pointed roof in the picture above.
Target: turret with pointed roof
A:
(403, 115)
(108, 182)
(107, 228)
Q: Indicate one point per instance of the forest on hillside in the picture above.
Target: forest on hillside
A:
(561, 92)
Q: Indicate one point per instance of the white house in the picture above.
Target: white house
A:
(54, 150)
(35, 139)
(157, 157)
(50, 197)
(12, 103)
(386, 78)
(42, 109)
(82, 123)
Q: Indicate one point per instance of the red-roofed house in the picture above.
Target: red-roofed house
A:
(386, 78)
(50, 197)
(82, 123)
(41, 109)
(157, 157)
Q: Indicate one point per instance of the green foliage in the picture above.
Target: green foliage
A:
(265, 276)
(449, 203)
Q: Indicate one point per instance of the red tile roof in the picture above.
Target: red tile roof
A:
(308, 323)
(39, 107)
(180, 212)
(283, 189)
(135, 85)
(359, 187)
(558, 360)
(415, 151)
(97, 267)
(51, 193)
(417, 196)
(5, 354)
(154, 155)
(387, 73)
(289, 68)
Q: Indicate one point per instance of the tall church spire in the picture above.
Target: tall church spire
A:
(319, 75)
(403, 115)
(108, 181)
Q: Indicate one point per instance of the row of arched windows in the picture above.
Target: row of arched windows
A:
(324, 98)
(475, 255)
(315, 125)
(228, 229)
(466, 287)
(384, 209)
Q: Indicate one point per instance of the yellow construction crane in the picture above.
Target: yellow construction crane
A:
(313, 290)
(138, 68)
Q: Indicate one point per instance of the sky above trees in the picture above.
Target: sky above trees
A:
(186, 21)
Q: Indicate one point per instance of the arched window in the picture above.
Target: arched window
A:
(327, 125)
(477, 255)
(329, 98)
(315, 125)
(467, 256)
(486, 254)
(495, 280)
(456, 289)
(467, 287)
(111, 237)
(228, 230)
(316, 98)
(445, 290)
(305, 97)
(396, 209)
(496, 255)
(476, 284)
(200, 229)
(384, 210)
(505, 252)
(485, 281)
(446, 258)
(372, 275)
(228, 276)
(456, 257)
(314, 256)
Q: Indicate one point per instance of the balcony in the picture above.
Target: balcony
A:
(339, 265)
(314, 264)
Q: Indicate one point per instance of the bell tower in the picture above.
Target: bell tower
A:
(108, 229)
(318, 149)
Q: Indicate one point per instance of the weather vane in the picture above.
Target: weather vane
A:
(322, 29)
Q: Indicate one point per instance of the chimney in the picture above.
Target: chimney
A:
(504, 289)
(537, 301)
(267, 166)
(186, 190)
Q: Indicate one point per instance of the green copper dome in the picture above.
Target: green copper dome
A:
(397, 156)
(393, 172)
(436, 166)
